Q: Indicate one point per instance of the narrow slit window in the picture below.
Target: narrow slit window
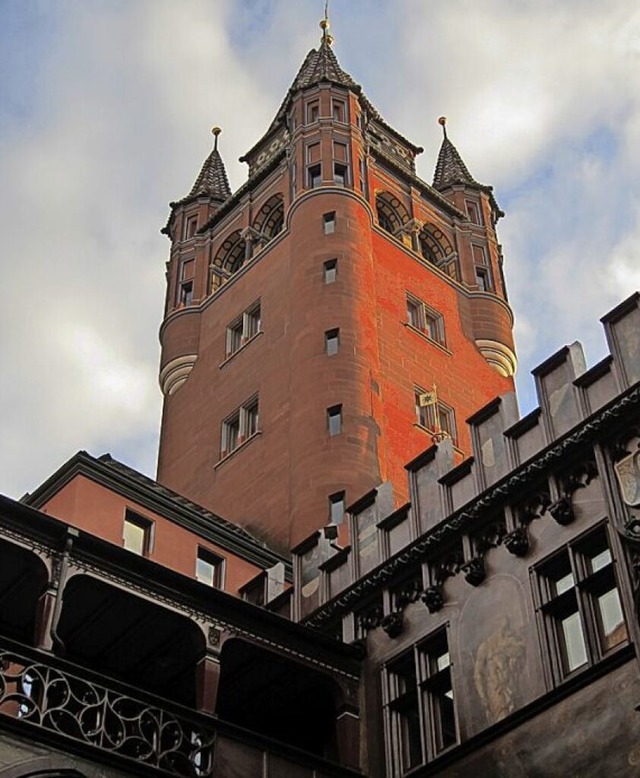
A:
(330, 271)
(334, 419)
(329, 222)
(332, 341)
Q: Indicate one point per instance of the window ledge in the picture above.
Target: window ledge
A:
(239, 447)
(433, 432)
(242, 347)
(424, 335)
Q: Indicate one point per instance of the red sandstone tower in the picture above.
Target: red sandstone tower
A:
(310, 314)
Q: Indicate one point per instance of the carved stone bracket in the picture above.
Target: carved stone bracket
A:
(392, 624)
(408, 593)
(535, 507)
(371, 618)
(474, 571)
(562, 511)
(491, 536)
(517, 541)
(579, 477)
(433, 598)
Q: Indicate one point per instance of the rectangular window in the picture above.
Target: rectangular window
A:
(419, 705)
(313, 153)
(339, 174)
(329, 222)
(313, 111)
(185, 286)
(209, 568)
(136, 533)
(330, 271)
(241, 425)
(483, 279)
(336, 508)
(314, 176)
(582, 615)
(339, 111)
(334, 419)
(473, 212)
(332, 341)
(186, 293)
(425, 319)
(190, 226)
(433, 414)
(242, 329)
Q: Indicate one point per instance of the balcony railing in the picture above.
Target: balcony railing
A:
(37, 692)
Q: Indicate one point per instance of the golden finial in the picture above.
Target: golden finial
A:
(215, 131)
(442, 121)
(324, 25)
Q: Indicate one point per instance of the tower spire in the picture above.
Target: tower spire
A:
(450, 169)
(212, 179)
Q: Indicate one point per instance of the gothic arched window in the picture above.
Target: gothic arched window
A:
(228, 260)
(437, 249)
(392, 215)
(270, 219)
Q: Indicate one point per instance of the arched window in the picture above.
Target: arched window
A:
(229, 259)
(392, 215)
(270, 219)
(437, 249)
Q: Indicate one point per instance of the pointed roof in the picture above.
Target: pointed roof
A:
(450, 169)
(319, 65)
(212, 180)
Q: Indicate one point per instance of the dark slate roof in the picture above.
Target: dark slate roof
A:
(320, 64)
(212, 180)
(450, 169)
(125, 480)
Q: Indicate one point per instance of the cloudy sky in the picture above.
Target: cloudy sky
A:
(105, 112)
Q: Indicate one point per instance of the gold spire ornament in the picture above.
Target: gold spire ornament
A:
(215, 131)
(324, 25)
(442, 121)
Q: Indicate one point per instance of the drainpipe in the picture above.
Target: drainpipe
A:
(58, 586)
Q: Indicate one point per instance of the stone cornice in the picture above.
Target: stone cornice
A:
(491, 498)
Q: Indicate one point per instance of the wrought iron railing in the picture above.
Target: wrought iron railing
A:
(46, 695)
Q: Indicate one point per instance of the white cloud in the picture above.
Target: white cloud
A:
(543, 101)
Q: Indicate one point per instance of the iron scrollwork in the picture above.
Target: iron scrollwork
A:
(72, 707)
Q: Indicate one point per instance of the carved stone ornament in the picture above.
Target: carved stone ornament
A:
(474, 572)
(628, 475)
(562, 511)
(580, 476)
(535, 507)
(409, 592)
(371, 618)
(433, 598)
(392, 624)
(517, 542)
(213, 637)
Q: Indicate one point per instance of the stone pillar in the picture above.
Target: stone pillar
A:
(207, 682)
(348, 735)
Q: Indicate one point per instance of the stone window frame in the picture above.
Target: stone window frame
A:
(569, 587)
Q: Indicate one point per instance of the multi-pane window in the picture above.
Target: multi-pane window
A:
(433, 414)
(483, 272)
(334, 419)
(332, 341)
(419, 705)
(136, 533)
(239, 426)
(425, 319)
(581, 609)
(242, 329)
(209, 568)
(336, 508)
(185, 285)
(330, 271)
(329, 222)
